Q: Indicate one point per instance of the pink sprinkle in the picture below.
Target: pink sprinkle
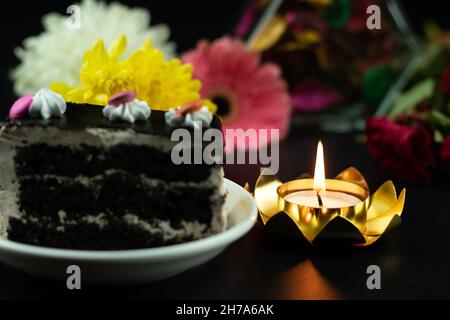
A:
(122, 97)
(20, 108)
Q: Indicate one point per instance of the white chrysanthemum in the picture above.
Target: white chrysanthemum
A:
(57, 53)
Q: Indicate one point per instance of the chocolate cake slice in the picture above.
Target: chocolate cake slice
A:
(84, 181)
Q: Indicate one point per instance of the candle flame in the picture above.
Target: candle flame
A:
(319, 171)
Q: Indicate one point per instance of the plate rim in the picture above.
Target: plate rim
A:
(207, 244)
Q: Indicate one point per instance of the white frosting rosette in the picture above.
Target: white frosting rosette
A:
(193, 115)
(125, 107)
(47, 104)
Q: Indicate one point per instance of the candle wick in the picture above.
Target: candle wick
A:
(319, 199)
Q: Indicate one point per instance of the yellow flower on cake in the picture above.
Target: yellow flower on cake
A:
(162, 84)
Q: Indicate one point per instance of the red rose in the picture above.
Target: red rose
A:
(445, 81)
(445, 154)
(403, 148)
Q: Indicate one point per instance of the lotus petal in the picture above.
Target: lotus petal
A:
(385, 219)
(351, 174)
(266, 196)
(382, 200)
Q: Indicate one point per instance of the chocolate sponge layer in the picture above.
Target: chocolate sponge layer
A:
(116, 235)
(118, 193)
(41, 159)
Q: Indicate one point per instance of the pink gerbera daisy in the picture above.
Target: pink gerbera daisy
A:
(249, 94)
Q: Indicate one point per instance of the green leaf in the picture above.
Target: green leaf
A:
(338, 13)
(433, 61)
(438, 136)
(408, 100)
(431, 30)
(430, 54)
(376, 83)
(440, 103)
(439, 120)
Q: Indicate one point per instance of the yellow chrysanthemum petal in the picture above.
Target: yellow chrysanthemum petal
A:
(118, 47)
(61, 88)
(147, 44)
(98, 54)
(163, 84)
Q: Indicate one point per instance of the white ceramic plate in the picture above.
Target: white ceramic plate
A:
(134, 266)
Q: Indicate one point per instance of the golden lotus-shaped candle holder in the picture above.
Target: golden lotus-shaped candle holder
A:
(359, 225)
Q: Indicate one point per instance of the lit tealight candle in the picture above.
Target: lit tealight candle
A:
(319, 196)
(330, 200)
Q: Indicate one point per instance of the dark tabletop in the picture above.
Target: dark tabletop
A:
(413, 258)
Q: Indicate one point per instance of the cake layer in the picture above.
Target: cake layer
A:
(90, 161)
(84, 182)
(102, 232)
(120, 193)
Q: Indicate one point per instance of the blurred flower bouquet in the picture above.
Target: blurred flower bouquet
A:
(413, 141)
(333, 63)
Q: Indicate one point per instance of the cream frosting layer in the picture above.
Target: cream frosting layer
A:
(191, 229)
(96, 137)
